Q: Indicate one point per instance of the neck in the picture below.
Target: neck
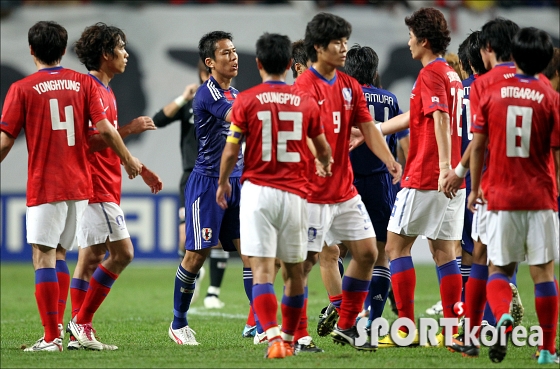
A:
(101, 75)
(41, 65)
(273, 77)
(428, 57)
(326, 70)
(222, 81)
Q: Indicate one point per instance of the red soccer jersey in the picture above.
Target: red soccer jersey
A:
(276, 119)
(54, 106)
(342, 105)
(438, 87)
(521, 118)
(105, 165)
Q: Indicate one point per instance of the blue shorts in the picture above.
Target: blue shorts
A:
(205, 221)
(378, 195)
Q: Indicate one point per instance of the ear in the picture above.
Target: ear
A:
(290, 64)
(259, 64)
(31, 52)
(209, 63)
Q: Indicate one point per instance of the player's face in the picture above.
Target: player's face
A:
(335, 53)
(225, 59)
(414, 46)
(117, 63)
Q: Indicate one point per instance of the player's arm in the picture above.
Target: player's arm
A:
(478, 148)
(404, 142)
(151, 179)
(323, 153)
(393, 125)
(443, 139)
(171, 109)
(454, 178)
(136, 126)
(377, 144)
(110, 135)
(6, 143)
(229, 158)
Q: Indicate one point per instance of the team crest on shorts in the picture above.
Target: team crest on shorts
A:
(120, 222)
(206, 234)
(311, 234)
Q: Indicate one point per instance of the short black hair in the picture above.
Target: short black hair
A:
(362, 63)
(208, 44)
(299, 55)
(498, 34)
(554, 65)
(473, 53)
(48, 41)
(430, 24)
(322, 29)
(97, 40)
(463, 56)
(274, 51)
(532, 50)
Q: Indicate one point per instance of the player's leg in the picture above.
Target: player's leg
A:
(218, 264)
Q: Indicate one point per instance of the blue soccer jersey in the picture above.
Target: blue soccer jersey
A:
(466, 137)
(383, 106)
(211, 104)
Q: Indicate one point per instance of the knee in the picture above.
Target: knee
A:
(123, 257)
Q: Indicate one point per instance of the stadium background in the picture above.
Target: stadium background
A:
(162, 43)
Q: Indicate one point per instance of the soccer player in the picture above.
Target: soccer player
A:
(518, 119)
(552, 71)
(180, 109)
(495, 50)
(206, 222)
(371, 177)
(54, 106)
(102, 229)
(336, 212)
(300, 59)
(275, 118)
(420, 207)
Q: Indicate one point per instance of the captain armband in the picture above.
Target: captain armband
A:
(235, 134)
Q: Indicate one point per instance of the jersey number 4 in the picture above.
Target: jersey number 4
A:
(68, 125)
(282, 154)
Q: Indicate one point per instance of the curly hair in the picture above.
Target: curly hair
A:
(48, 41)
(430, 24)
(554, 65)
(96, 41)
(322, 29)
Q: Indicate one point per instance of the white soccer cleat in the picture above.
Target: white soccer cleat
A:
(260, 338)
(516, 307)
(198, 283)
(85, 335)
(213, 302)
(182, 336)
(436, 309)
(42, 345)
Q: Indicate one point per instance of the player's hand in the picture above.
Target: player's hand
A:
(395, 169)
(451, 183)
(321, 170)
(475, 199)
(442, 174)
(141, 124)
(356, 138)
(190, 90)
(152, 180)
(222, 194)
(133, 167)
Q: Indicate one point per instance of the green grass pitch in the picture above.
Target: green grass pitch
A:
(137, 314)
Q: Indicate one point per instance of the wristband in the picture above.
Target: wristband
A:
(180, 101)
(378, 126)
(461, 171)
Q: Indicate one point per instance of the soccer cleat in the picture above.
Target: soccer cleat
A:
(306, 344)
(458, 345)
(260, 338)
(276, 350)
(441, 340)
(42, 345)
(327, 320)
(249, 331)
(85, 335)
(436, 309)
(497, 352)
(73, 344)
(516, 308)
(198, 283)
(213, 302)
(348, 336)
(290, 351)
(545, 357)
(387, 341)
(182, 336)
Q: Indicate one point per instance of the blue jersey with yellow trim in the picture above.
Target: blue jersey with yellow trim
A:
(382, 106)
(211, 104)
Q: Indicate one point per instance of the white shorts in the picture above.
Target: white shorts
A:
(479, 222)
(273, 223)
(101, 221)
(55, 223)
(514, 235)
(333, 223)
(428, 213)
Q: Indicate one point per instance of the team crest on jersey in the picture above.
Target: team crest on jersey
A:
(311, 234)
(206, 234)
(347, 95)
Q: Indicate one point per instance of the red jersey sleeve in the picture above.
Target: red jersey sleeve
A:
(238, 116)
(361, 108)
(13, 111)
(434, 94)
(95, 103)
(555, 139)
(480, 125)
(315, 127)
